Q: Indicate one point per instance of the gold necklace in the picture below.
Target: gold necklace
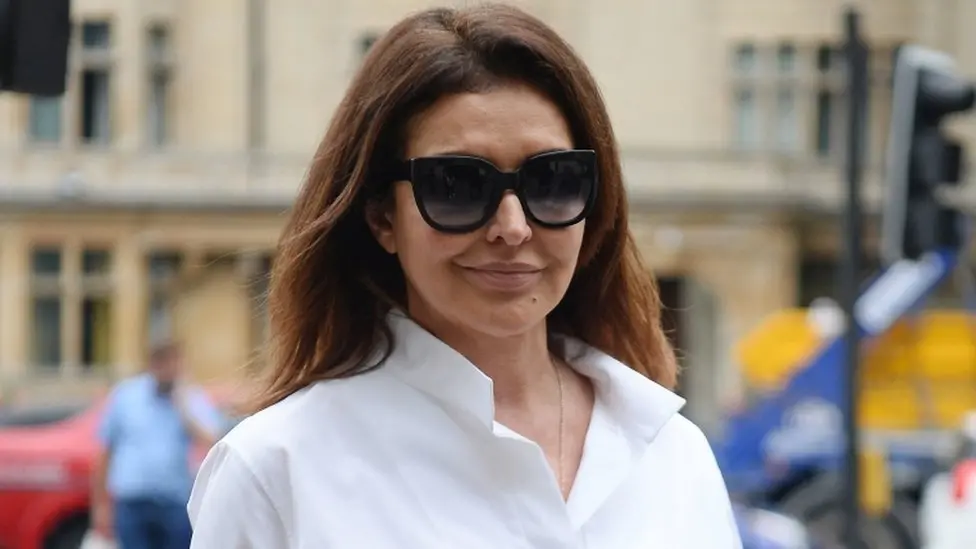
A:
(559, 457)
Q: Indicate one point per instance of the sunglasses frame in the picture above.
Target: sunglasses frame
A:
(500, 183)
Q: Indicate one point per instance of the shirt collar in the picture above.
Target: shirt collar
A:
(421, 360)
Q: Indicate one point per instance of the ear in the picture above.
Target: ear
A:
(379, 217)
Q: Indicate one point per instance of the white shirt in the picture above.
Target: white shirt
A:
(409, 456)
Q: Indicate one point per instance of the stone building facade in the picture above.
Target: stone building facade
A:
(151, 195)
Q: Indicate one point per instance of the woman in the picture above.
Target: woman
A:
(468, 351)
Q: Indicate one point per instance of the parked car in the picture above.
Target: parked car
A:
(36, 415)
(46, 457)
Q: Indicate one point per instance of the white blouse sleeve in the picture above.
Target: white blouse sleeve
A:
(717, 505)
(230, 509)
(714, 519)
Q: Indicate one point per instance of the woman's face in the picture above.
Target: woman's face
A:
(504, 278)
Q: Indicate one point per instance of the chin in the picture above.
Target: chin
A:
(506, 320)
(493, 315)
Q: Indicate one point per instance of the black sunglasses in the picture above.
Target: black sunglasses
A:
(460, 194)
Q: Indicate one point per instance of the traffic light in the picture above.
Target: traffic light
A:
(34, 46)
(921, 157)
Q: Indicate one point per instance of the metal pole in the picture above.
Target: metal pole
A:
(857, 59)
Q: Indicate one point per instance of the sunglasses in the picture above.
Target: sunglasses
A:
(460, 194)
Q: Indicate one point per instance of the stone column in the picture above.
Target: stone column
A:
(14, 301)
(129, 77)
(13, 119)
(129, 307)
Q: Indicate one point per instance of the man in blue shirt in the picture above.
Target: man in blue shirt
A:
(142, 478)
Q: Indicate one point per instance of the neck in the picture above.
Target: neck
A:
(519, 366)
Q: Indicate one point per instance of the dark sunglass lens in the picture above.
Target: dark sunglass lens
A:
(557, 188)
(453, 193)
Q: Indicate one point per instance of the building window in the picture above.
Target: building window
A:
(366, 41)
(71, 303)
(46, 307)
(745, 60)
(789, 98)
(95, 78)
(828, 120)
(830, 106)
(46, 344)
(786, 59)
(44, 115)
(747, 131)
(786, 120)
(747, 134)
(825, 116)
(787, 116)
(164, 272)
(158, 55)
(96, 34)
(96, 308)
(46, 262)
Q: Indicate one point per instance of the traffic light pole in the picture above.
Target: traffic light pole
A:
(856, 53)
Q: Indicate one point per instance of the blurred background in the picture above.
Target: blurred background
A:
(153, 191)
(149, 197)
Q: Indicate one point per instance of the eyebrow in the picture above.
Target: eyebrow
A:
(462, 152)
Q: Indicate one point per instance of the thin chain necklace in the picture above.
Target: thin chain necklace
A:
(559, 457)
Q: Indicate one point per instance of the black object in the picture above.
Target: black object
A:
(921, 157)
(34, 37)
(459, 194)
(856, 53)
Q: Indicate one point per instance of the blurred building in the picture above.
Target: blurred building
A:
(153, 192)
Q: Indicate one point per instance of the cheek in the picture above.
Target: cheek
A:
(562, 248)
(421, 249)
(565, 246)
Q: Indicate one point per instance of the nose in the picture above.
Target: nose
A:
(509, 223)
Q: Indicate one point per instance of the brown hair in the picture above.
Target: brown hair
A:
(332, 284)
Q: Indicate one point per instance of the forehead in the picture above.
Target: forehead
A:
(505, 125)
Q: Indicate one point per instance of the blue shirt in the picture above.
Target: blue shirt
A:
(148, 443)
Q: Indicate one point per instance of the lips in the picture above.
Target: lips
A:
(503, 277)
(506, 268)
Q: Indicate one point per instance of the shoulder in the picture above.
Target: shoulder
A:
(689, 460)
(231, 505)
(679, 431)
(249, 466)
(262, 439)
(268, 453)
(136, 382)
(254, 482)
(683, 453)
(311, 423)
(689, 452)
(130, 386)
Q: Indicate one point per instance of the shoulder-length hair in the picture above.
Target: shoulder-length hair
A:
(333, 285)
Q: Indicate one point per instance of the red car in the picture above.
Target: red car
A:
(46, 456)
